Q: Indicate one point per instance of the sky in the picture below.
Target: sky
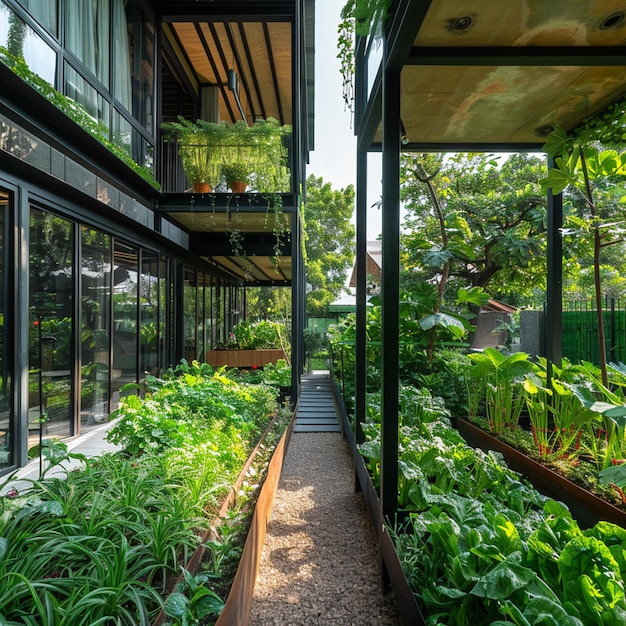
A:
(334, 157)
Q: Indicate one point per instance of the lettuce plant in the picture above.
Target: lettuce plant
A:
(483, 547)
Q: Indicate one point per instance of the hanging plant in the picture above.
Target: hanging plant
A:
(358, 17)
(233, 152)
(269, 156)
(200, 145)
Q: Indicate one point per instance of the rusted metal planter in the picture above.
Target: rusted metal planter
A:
(586, 508)
(238, 604)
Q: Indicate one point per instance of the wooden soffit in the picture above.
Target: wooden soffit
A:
(260, 53)
(492, 72)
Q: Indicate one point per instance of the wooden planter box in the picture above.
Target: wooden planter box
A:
(244, 358)
(586, 508)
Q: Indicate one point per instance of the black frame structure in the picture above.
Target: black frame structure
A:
(432, 51)
(165, 271)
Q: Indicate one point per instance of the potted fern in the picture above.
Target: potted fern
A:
(200, 147)
(255, 156)
(237, 175)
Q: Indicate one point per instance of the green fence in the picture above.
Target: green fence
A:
(580, 332)
(321, 323)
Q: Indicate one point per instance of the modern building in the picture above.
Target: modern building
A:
(110, 269)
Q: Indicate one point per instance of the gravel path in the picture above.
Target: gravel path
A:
(320, 562)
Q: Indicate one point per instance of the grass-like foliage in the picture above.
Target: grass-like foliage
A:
(105, 543)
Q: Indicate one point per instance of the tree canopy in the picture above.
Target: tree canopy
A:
(329, 242)
(480, 221)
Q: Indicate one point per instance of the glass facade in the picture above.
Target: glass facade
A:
(7, 424)
(190, 314)
(108, 67)
(51, 308)
(87, 305)
(125, 319)
(149, 312)
(23, 41)
(95, 333)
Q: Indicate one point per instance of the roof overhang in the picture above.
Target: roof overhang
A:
(491, 75)
(243, 235)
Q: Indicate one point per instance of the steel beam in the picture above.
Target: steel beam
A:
(521, 56)
(390, 292)
(554, 301)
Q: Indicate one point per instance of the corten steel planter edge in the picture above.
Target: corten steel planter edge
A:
(586, 508)
(405, 598)
(212, 531)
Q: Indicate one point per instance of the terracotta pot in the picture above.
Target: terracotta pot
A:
(238, 186)
(201, 187)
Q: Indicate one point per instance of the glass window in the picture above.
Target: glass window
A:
(190, 304)
(122, 132)
(51, 305)
(125, 326)
(77, 88)
(88, 33)
(166, 307)
(134, 62)
(206, 335)
(22, 41)
(44, 12)
(151, 330)
(95, 326)
(7, 425)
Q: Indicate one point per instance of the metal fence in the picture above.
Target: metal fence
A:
(580, 331)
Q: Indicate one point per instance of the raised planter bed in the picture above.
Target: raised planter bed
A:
(586, 508)
(244, 358)
(238, 604)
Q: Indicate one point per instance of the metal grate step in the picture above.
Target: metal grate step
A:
(317, 410)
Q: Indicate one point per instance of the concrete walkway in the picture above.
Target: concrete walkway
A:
(90, 444)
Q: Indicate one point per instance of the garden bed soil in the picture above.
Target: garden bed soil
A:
(586, 507)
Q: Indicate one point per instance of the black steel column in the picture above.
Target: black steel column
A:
(554, 302)
(390, 291)
(360, 382)
(298, 303)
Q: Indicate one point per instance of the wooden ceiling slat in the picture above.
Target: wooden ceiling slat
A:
(244, 74)
(280, 36)
(248, 68)
(263, 66)
(270, 56)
